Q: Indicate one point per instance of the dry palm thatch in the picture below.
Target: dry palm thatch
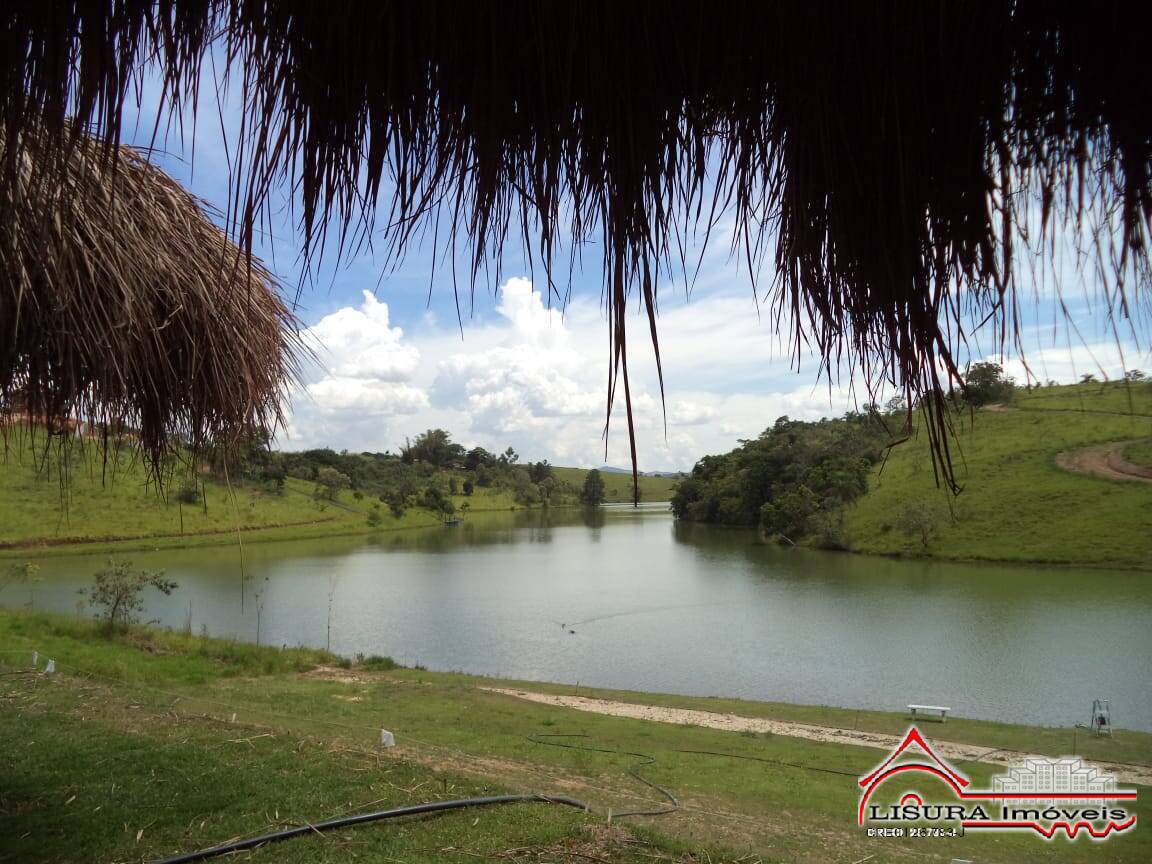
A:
(890, 157)
(123, 305)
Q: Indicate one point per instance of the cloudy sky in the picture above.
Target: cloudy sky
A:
(513, 369)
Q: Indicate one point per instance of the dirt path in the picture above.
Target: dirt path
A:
(1104, 460)
(1125, 773)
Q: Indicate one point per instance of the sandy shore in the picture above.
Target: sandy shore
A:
(736, 723)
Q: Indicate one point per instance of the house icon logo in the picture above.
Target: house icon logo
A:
(916, 793)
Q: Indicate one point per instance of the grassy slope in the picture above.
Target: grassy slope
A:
(102, 758)
(118, 505)
(1017, 505)
(1140, 454)
(618, 487)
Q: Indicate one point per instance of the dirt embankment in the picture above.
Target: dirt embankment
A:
(1104, 460)
(1125, 773)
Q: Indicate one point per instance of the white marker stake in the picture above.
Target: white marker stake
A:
(50, 669)
(387, 739)
(35, 659)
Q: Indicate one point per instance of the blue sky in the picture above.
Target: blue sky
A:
(519, 371)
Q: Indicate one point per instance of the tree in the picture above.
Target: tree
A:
(917, 520)
(468, 487)
(790, 515)
(546, 487)
(985, 383)
(593, 492)
(478, 457)
(538, 472)
(523, 489)
(434, 447)
(329, 482)
(1135, 376)
(118, 587)
(509, 457)
(437, 500)
(397, 503)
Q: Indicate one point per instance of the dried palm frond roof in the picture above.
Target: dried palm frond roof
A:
(122, 304)
(890, 158)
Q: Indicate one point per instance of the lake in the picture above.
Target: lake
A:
(633, 599)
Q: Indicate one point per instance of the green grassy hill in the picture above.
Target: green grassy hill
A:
(618, 487)
(116, 503)
(1017, 503)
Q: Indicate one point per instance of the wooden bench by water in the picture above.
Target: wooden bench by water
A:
(942, 711)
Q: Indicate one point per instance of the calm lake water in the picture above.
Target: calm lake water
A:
(665, 606)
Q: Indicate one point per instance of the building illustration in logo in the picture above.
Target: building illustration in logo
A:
(1047, 796)
(1056, 775)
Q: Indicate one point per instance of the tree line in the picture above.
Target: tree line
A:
(428, 472)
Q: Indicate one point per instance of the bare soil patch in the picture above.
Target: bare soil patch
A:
(1104, 460)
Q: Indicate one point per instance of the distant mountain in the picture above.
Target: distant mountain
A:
(608, 469)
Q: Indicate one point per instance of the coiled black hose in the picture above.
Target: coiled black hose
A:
(345, 821)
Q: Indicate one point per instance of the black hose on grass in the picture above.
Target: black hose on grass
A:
(633, 772)
(462, 803)
(345, 821)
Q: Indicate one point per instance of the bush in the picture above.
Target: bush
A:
(397, 503)
(376, 663)
(117, 589)
(917, 520)
(374, 517)
(329, 482)
(189, 493)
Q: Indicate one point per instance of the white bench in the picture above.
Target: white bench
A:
(933, 709)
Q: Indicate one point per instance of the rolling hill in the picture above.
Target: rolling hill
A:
(1018, 502)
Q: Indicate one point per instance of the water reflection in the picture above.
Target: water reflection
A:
(659, 605)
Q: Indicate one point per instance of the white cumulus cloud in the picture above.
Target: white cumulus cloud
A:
(359, 381)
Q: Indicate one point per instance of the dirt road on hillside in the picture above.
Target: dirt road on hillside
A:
(1104, 460)
(1125, 773)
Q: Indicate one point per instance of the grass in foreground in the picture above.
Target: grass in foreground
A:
(302, 747)
(1017, 505)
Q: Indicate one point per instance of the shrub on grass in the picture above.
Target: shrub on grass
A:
(189, 493)
(118, 589)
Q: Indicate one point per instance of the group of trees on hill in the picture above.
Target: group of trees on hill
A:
(795, 478)
(427, 472)
(792, 480)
